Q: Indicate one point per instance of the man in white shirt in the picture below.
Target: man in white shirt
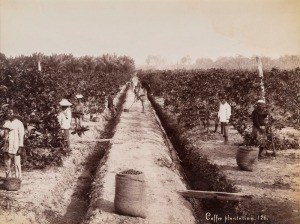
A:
(65, 118)
(14, 139)
(224, 116)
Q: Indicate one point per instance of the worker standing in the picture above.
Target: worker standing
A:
(64, 120)
(224, 116)
(14, 139)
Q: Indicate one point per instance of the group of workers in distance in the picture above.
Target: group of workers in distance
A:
(140, 92)
(65, 115)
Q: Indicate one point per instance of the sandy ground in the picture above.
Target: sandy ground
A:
(275, 183)
(139, 144)
(274, 176)
(46, 194)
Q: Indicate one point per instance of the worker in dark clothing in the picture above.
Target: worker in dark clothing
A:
(259, 116)
(139, 85)
(217, 104)
(146, 86)
(204, 115)
(110, 105)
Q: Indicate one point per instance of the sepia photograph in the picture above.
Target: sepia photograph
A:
(149, 111)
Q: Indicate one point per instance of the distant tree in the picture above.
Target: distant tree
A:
(240, 62)
(155, 61)
(204, 63)
(186, 61)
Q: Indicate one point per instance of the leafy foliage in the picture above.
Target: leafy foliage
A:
(186, 91)
(36, 93)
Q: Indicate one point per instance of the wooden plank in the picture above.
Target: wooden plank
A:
(214, 195)
(97, 140)
(113, 141)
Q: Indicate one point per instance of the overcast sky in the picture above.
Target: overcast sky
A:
(138, 28)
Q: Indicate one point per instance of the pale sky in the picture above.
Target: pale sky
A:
(171, 29)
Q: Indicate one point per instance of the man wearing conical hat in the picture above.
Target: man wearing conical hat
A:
(65, 118)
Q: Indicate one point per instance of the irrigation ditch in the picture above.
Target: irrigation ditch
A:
(81, 197)
(201, 174)
(102, 148)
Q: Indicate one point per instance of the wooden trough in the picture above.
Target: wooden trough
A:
(214, 195)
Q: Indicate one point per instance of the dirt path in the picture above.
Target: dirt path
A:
(139, 144)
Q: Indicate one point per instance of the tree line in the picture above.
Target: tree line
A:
(286, 62)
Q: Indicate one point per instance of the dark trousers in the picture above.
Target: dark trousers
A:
(216, 124)
(67, 137)
(224, 129)
(112, 111)
(258, 137)
(204, 123)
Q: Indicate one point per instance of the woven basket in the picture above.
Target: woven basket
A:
(247, 157)
(12, 183)
(130, 195)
